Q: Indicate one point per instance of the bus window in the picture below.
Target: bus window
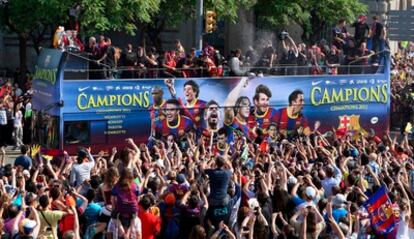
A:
(76, 132)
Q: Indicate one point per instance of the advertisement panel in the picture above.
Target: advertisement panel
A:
(121, 107)
(46, 81)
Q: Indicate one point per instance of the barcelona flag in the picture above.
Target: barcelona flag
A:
(381, 212)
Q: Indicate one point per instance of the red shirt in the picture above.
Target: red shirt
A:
(151, 225)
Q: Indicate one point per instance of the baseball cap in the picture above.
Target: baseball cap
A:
(180, 178)
(292, 180)
(27, 226)
(310, 192)
(339, 200)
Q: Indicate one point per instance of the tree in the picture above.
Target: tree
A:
(31, 19)
(174, 12)
(312, 15)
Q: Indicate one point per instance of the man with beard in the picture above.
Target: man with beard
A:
(193, 107)
(211, 119)
(290, 119)
(173, 123)
(157, 108)
(262, 115)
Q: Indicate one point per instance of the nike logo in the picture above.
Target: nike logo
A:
(84, 88)
(316, 82)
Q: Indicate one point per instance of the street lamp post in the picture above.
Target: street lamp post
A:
(199, 25)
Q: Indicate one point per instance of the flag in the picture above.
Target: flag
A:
(381, 212)
(245, 154)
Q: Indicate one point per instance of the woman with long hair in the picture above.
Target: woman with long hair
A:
(110, 178)
(125, 197)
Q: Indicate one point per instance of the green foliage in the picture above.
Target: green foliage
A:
(309, 14)
(24, 16)
(120, 15)
(177, 11)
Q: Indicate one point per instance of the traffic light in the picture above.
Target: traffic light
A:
(210, 21)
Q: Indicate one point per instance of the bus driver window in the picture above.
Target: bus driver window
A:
(77, 132)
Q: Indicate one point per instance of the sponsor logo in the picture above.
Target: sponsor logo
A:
(83, 88)
(316, 82)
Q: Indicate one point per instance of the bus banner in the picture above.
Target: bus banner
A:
(46, 81)
(120, 108)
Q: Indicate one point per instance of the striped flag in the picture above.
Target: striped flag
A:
(381, 212)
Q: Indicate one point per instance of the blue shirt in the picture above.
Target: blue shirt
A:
(337, 213)
(24, 161)
(219, 181)
(92, 212)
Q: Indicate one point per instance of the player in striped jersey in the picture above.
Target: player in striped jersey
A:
(290, 119)
(262, 115)
(174, 123)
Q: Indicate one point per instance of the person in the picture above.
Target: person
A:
(312, 224)
(236, 120)
(237, 111)
(290, 119)
(262, 114)
(174, 123)
(81, 171)
(3, 124)
(340, 34)
(221, 147)
(290, 55)
(156, 110)
(235, 64)
(92, 49)
(333, 61)
(24, 160)
(267, 59)
(151, 224)
(49, 219)
(129, 61)
(179, 49)
(362, 58)
(18, 126)
(212, 118)
(361, 29)
(125, 197)
(193, 107)
(333, 178)
(377, 34)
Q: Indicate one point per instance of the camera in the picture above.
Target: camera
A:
(283, 35)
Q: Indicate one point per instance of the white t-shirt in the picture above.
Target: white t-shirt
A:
(18, 119)
(135, 228)
(404, 231)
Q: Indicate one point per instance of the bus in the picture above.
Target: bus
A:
(71, 110)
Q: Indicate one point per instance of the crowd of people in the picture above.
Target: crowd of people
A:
(344, 54)
(312, 186)
(219, 183)
(402, 74)
(15, 115)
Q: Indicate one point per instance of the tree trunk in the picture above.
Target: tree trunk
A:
(317, 27)
(23, 53)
